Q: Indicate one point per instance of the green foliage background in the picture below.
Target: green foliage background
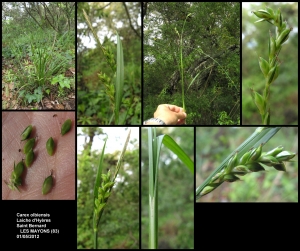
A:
(284, 91)
(213, 28)
(175, 194)
(213, 145)
(94, 106)
(29, 27)
(119, 225)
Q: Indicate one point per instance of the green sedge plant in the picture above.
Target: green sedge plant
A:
(113, 91)
(247, 158)
(46, 64)
(181, 61)
(270, 67)
(102, 189)
(181, 66)
(154, 148)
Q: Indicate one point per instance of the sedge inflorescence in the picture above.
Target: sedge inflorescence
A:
(251, 161)
(104, 192)
(270, 67)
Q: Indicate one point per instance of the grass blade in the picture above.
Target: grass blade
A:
(121, 156)
(119, 79)
(93, 31)
(175, 148)
(192, 81)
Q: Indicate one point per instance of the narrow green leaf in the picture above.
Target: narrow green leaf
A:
(119, 79)
(121, 156)
(192, 81)
(93, 31)
(175, 148)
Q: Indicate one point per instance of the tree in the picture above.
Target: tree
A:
(59, 15)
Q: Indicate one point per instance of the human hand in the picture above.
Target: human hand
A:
(170, 114)
(62, 162)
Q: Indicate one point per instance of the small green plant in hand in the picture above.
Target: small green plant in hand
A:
(270, 67)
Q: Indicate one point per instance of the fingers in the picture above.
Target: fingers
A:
(171, 114)
(181, 115)
(174, 108)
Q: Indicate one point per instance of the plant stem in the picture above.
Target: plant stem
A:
(154, 147)
(153, 227)
(119, 79)
(181, 63)
(182, 79)
(95, 239)
(266, 95)
(153, 188)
